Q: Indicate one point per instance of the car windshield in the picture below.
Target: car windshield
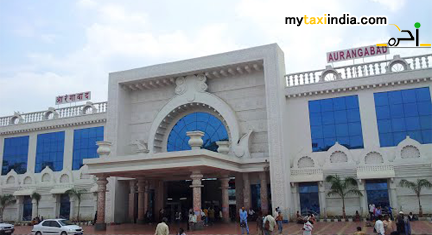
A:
(65, 222)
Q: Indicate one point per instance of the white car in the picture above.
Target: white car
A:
(6, 228)
(56, 227)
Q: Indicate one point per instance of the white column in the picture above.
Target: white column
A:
(20, 208)
(68, 149)
(295, 195)
(73, 211)
(369, 125)
(393, 196)
(34, 208)
(132, 206)
(225, 198)
(56, 207)
(31, 157)
(247, 198)
(100, 223)
(363, 199)
(1, 151)
(141, 189)
(263, 192)
(323, 199)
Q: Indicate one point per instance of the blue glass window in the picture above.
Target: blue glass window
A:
(49, 151)
(404, 113)
(15, 154)
(27, 208)
(84, 145)
(335, 119)
(309, 199)
(213, 128)
(377, 192)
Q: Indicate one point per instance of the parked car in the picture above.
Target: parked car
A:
(56, 227)
(6, 228)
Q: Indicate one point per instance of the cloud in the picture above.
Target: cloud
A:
(392, 5)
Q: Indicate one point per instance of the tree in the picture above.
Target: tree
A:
(342, 187)
(77, 193)
(37, 197)
(416, 187)
(5, 200)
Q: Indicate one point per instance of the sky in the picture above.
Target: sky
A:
(51, 47)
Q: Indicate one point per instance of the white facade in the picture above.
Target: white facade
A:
(267, 118)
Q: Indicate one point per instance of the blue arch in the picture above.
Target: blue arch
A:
(213, 128)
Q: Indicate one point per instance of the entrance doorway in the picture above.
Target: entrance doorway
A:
(64, 206)
(27, 210)
(309, 198)
(377, 192)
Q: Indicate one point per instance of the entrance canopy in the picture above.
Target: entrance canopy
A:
(173, 164)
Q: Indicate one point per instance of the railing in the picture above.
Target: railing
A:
(396, 64)
(85, 109)
(306, 171)
(375, 168)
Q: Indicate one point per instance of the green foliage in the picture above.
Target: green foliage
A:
(5, 200)
(417, 188)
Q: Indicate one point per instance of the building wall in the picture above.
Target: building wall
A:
(297, 127)
(47, 180)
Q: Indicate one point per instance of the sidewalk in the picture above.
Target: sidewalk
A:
(320, 228)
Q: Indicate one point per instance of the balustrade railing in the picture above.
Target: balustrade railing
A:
(394, 65)
(375, 168)
(306, 171)
(73, 111)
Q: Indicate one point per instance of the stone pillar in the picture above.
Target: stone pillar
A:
(393, 196)
(100, 222)
(56, 208)
(132, 206)
(246, 191)
(239, 193)
(196, 186)
(295, 200)
(322, 199)
(263, 193)
(20, 208)
(225, 198)
(146, 197)
(363, 199)
(34, 208)
(72, 211)
(159, 198)
(141, 189)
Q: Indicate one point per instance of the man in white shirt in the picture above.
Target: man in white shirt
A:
(379, 226)
(162, 227)
(269, 224)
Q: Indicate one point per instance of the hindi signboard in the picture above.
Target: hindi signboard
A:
(71, 98)
(356, 53)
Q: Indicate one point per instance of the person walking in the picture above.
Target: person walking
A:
(279, 220)
(388, 225)
(259, 223)
(192, 221)
(162, 228)
(243, 220)
(307, 227)
(181, 232)
(371, 211)
(407, 225)
(379, 226)
(400, 223)
(269, 224)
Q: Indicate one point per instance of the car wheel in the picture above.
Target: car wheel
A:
(38, 233)
(63, 233)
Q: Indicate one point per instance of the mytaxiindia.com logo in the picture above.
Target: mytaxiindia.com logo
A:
(345, 19)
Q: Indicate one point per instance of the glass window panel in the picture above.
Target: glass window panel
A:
(356, 142)
(326, 105)
(51, 151)
(412, 123)
(395, 97)
(340, 117)
(426, 122)
(381, 99)
(314, 107)
(15, 154)
(339, 103)
(423, 94)
(398, 124)
(396, 110)
(424, 108)
(352, 102)
(85, 146)
(409, 96)
(331, 122)
(415, 135)
(410, 110)
(329, 131)
(384, 126)
(386, 140)
(427, 136)
(398, 137)
(383, 112)
(213, 128)
(327, 118)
